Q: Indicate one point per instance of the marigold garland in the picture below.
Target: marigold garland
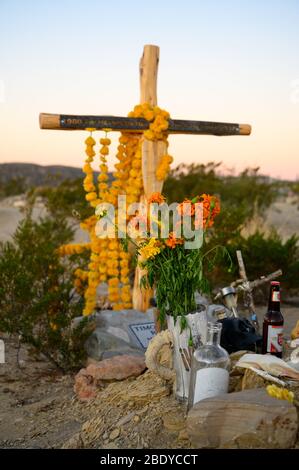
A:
(108, 261)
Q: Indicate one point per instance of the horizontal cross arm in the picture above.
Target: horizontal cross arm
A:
(176, 126)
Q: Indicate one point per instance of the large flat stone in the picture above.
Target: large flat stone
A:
(249, 419)
(120, 332)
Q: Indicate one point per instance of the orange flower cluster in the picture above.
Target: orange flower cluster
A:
(211, 208)
(172, 241)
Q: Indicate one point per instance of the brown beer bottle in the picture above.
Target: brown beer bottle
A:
(273, 323)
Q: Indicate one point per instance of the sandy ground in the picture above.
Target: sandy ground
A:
(11, 214)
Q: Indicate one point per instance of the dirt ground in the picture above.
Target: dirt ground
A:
(38, 408)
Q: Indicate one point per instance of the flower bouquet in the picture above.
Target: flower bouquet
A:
(176, 265)
(170, 243)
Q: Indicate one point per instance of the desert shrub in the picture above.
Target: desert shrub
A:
(242, 196)
(12, 187)
(67, 199)
(263, 254)
(37, 299)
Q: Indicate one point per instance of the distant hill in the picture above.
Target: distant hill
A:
(37, 175)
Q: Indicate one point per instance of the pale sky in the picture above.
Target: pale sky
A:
(221, 60)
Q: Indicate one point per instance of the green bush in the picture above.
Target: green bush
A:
(264, 254)
(37, 298)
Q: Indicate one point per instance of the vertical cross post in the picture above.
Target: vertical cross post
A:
(152, 151)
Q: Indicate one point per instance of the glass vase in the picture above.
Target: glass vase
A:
(209, 368)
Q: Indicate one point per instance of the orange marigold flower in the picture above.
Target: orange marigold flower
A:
(172, 241)
(156, 197)
(211, 208)
(186, 208)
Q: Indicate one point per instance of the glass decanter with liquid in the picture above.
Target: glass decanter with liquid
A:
(209, 368)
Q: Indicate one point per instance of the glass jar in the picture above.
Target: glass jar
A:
(210, 368)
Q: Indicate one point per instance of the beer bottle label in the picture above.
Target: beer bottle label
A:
(275, 296)
(274, 342)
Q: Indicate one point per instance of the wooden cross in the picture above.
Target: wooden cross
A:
(151, 151)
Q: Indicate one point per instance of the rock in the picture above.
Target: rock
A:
(120, 332)
(114, 434)
(248, 419)
(125, 419)
(117, 368)
(84, 387)
(96, 375)
(102, 345)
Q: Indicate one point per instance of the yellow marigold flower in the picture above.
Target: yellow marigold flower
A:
(113, 290)
(102, 269)
(123, 139)
(113, 245)
(112, 272)
(90, 141)
(92, 266)
(103, 186)
(150, 250)
(280, 393)
(133, 173)
(103, 177)
(149, 115)
(126, 289)
(113, 254)
(104, 168)
(124, 272)
(114, 281)
(105, 141)
(135, 163)
(104, 150)
(91, 196)
(125, 297)
(90, 152)
(95, 203)
(149, 135)
(124, 263)
(113, 297)
(87, 168)
(124, 279)
(112, 263)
